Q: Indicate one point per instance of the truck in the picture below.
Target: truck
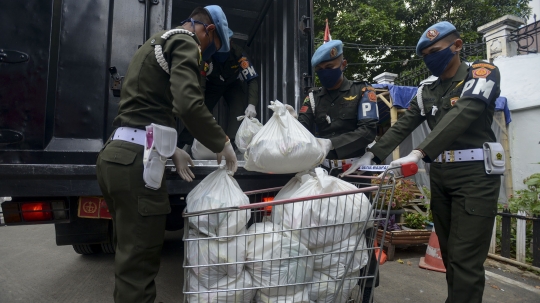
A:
(61, 67)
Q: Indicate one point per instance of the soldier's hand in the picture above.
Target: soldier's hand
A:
(291, 111)
(181, 159)
(364, 160)
(250, 111)
(230, 157)
(415, 156)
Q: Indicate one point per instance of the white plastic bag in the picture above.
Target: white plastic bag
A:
(201, 152)
(287, 191)
(248, 128)
(202, 251)
(333, 260)
(283, 145)
(243, 280)
(266, 243)
(326, 211)
(325, 289)
(219, 189)
(300, 296)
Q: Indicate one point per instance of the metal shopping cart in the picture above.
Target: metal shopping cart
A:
(313, 248)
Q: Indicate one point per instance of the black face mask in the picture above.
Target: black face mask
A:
(437, 62)
(211, 48)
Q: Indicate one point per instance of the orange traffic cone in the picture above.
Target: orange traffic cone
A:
(433, 258)
(377, 250)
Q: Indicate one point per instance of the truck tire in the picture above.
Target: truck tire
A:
(86, 249)
(108, 248)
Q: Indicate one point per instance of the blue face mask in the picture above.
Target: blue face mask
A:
(209, 51)
(220, 57)
(437, 62)
(329, 77)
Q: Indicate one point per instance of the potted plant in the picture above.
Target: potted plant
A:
(415, 221)
(403, 194)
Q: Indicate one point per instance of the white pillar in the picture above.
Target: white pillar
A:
(496, 34)
(385, 78)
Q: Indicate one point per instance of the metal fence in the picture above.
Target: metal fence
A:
(527, 38)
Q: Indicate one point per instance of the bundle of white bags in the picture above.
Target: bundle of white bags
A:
(203, 251)
(332, 223)
(219, 189)
(324, 290)
(280, 260)
(247, 129)
(217, 295)
(283, 145)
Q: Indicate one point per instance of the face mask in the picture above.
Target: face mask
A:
(329, 77)
(437, 62)
(209, 51)
(220, 57)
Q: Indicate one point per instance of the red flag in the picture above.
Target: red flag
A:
(327, 36)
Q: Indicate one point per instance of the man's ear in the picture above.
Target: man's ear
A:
(211, 28)
(459, 45)
(344, 64)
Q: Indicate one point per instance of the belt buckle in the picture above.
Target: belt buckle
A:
(452, 158)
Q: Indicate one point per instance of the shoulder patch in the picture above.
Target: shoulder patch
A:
(485, 65)
(482, 83)
(306, 100)
(304, 109)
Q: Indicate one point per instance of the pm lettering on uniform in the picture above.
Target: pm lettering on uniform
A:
(368, 110)
(248, 74)
(480, 88)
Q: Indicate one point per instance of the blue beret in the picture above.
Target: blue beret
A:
(222, 27)
(326, 52)
(433, 34)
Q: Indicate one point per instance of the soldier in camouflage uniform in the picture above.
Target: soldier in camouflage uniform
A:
(162, 81)
(458, 107)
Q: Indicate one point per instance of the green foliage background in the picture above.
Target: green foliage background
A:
(401, 23)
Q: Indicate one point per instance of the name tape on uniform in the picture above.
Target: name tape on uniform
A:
(374, 167)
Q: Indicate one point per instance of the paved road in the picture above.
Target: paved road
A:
(34, 269)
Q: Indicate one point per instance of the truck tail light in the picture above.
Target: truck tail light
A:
(36, 211)
(32, 212)
(268, 209)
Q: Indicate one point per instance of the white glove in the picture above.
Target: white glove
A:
(291, 111)
(364, 160)
(181, 159)
(230, 157)
(415, 156)
(250, 111)
(326, 144)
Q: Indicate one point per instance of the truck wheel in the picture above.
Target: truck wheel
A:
(86, 249)
(108, 248)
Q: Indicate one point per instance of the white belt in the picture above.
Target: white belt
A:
(462, 155)
(338, 163)
(130, 134)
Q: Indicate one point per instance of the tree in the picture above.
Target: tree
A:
(394, 27)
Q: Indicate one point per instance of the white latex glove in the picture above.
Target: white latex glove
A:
(364, 160)
(230, 157)
(181, 159)
(291, 110)
(415, 156)
(326, 144)
(250, 111)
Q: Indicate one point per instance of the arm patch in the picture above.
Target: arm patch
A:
(482, 83)
(367, 107)
(247, 71)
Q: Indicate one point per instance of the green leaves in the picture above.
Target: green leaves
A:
(527, 200)
(400, 23)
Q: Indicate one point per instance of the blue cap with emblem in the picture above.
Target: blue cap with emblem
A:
(222, 27)
(326, 52)
(433, 34)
